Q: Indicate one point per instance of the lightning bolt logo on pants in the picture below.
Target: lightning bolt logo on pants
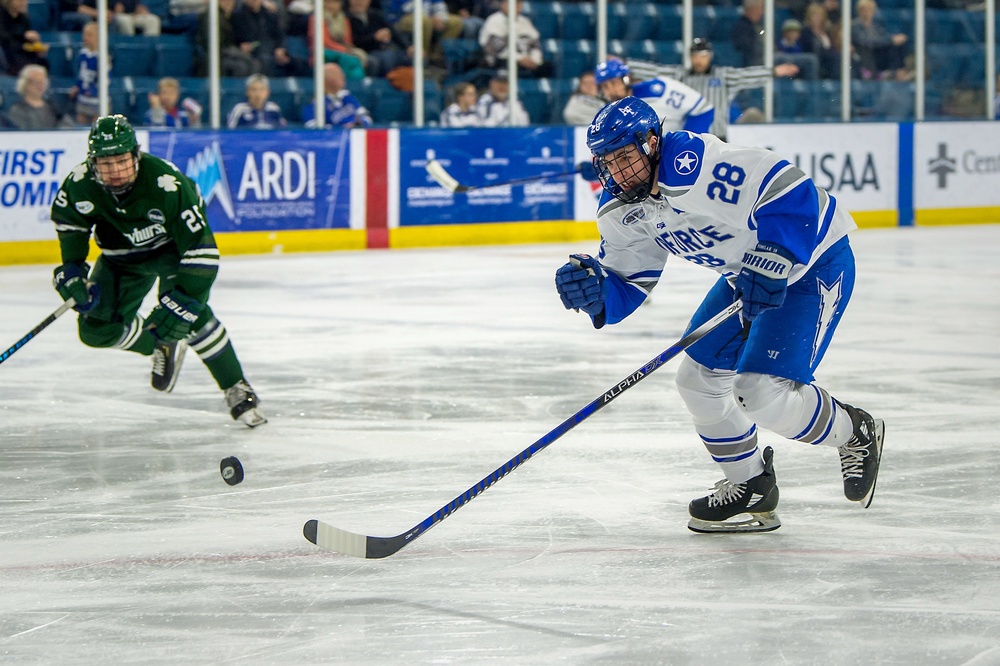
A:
(829, 299)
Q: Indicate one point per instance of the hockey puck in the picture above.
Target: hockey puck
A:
(232, 470)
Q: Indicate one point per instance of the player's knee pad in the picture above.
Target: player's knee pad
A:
(97, 333)
(762, 397)
(707, 393)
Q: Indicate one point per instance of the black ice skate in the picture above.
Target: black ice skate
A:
(167, 359)
(860, 457)
(244, 405)
(757, 497)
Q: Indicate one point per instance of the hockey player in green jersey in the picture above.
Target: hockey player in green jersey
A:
(148, 220)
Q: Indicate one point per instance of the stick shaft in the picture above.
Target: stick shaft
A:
(349, 543)
(447, 181)
(67, 304)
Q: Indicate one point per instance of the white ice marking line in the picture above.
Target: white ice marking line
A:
(28, 631)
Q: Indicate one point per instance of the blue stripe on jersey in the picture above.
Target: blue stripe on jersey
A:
(771, 176)
(824, 227)
(790, 220)
(622, 299)
(683, 154)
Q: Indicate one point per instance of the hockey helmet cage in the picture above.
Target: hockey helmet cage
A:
(618, 125)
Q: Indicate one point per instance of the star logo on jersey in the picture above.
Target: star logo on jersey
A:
(167, 183)
(686, 163)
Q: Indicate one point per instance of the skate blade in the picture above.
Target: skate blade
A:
(866, 501)
(757, 522)
(252, 418)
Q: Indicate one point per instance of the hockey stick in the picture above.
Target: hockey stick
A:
(60, 311)
(445, 180)
(370, 547)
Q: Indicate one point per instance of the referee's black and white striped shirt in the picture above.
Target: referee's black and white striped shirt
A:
(719, 85)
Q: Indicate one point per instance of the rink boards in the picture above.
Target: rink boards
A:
(303, 190)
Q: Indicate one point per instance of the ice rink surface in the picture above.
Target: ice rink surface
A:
(396, 380)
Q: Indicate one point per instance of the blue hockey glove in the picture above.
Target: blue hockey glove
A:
(764, 279)
(172, 319)
(70, 280)
(580, 284)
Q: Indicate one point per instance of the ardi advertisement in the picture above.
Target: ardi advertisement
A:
(485, 159)
(265, 181)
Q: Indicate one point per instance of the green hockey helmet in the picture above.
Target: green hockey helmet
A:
(111, 136)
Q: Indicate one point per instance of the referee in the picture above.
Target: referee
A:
(718, 85)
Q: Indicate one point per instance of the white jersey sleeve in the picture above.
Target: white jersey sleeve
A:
(679, 106)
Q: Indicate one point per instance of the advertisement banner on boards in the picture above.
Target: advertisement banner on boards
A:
(32, 168)
(856, 163)
(265, 181)
(481, 156)
(959, 168)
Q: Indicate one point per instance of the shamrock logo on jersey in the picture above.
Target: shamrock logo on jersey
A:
(167, 183)
(78, 172)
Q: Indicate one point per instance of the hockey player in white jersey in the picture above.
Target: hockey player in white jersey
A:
(679, 106)
(779, 243)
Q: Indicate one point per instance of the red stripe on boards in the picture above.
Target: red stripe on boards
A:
(377, 188)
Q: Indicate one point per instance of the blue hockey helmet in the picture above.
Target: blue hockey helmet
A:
(629, 175)
(612, 68)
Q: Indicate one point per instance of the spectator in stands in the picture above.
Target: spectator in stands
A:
(21, 44)
(996, 101)
(832, 8)
(528, 51)
(747, 31)
(233, 60)
(33, 111)
(467, 11)
(257, 112)
(338, 44)
(748, 40)
(584, 103)
(342, 108)
(880, 53)
(789, 48)
(719, 85)
(816, 39)
(164, 111)
(438, 24)
(84, 91)
(257, 29)
(463, 112)
(71, 18)
(386, 48)
(494, 105)
(125, 16)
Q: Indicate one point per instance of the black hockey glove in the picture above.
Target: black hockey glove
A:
(70, 280)
(580, 284)
(173, 318)
(763, 281)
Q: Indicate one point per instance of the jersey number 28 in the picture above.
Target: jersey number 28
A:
(728, 178)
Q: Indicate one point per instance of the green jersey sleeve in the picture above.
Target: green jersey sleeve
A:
(70, 213)
(199, 255)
